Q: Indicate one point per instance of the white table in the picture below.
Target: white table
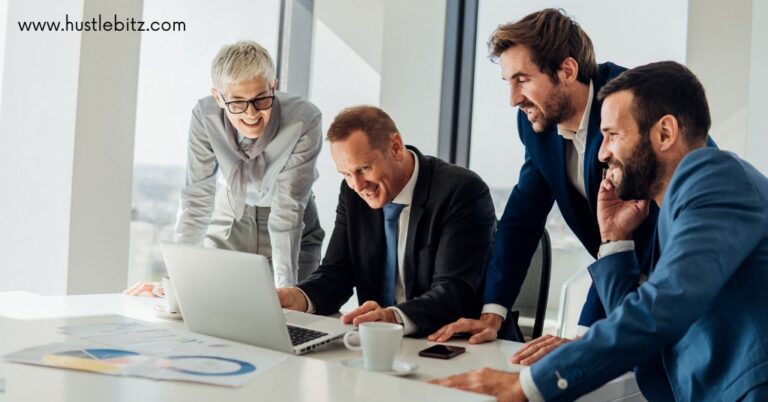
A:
(28, 320)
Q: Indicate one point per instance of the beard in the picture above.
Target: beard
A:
(639, 173)
(557, 108)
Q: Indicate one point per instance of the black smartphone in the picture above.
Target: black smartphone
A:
(442, 351)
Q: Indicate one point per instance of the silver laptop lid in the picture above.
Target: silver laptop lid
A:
(227, 294)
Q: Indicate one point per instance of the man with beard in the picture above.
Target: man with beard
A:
(549, 64)
(702, 309)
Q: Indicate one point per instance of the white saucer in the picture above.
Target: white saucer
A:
(399, 367)
(160, 312)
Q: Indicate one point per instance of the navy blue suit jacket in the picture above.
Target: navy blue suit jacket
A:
(702, 313)
(544, 180)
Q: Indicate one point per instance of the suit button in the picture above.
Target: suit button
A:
(562, 383)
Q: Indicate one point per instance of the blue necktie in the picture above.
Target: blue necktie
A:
(391, 220)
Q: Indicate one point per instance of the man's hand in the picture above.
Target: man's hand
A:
(617, 218)
(369, 311)
(151, 289)
(534, 350)
(501, 384)
(483, 330)
(292, 299)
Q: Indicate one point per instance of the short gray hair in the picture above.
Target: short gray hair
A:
(241, 61)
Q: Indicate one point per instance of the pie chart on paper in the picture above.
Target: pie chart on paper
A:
(206, 365)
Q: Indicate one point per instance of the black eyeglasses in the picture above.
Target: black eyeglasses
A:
(240, 106)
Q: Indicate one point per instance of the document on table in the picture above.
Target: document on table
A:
(140, 336)
(139, 349)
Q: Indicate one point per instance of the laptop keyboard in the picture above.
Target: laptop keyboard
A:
(302, 335)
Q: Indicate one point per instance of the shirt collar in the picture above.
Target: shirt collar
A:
(584, 118)
(405, 196)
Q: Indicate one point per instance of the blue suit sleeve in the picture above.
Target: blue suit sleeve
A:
(707, 230)
(593, 309)
(614, 284)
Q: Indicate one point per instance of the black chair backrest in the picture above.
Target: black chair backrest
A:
(531, 303)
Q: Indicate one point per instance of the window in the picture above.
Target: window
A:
(174, 72)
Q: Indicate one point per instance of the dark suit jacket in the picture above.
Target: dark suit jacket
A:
(703, 310)
(544, 180)
(448, 243)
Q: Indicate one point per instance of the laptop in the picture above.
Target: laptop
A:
(232, 295)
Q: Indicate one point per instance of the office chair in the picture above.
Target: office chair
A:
(572, 297)
(525, 320)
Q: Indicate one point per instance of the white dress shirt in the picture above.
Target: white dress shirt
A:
(405, 197)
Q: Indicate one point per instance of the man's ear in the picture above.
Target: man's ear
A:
(396, 146)
(569, 70)
(668, 132)
(275, 85)
(217, 98)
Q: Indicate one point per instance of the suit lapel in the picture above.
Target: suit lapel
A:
(557, 162)
(420, 195)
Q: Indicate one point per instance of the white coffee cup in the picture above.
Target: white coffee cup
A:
(379, 341)
(171, 303)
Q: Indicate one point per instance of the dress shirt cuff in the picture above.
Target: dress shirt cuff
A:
(581, 330)
(310, 306)
(529, 387)
(497, 309)
(284, 279)
(408, 326)
(285, 255)
(615, 247)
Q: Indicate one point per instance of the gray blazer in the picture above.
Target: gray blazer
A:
(290, 169)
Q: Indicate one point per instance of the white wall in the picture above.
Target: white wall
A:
(757, 124)
(719, 48)
(412, 68)
(102, 163)
(67, 123)
(37, 132)
(3, 22)
(362, 35)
